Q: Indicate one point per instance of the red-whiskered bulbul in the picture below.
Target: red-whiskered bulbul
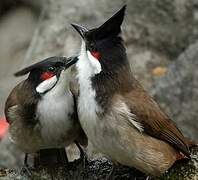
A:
(119, 117)
(41, 110)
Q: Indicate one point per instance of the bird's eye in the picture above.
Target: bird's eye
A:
(51, 68)
(50, 72)
(92, 46)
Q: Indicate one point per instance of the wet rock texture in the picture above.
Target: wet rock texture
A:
(161, 40)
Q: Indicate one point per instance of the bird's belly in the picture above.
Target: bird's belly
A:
(87, 108)
(55, 120)
(55, 127)
(30, 139)
(25, 138)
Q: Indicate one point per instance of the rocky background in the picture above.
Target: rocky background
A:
(160, 36)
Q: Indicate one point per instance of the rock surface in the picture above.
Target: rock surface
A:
(10, 155)
(99, 169)
(16, 29)
(17, 23)
(177, 91)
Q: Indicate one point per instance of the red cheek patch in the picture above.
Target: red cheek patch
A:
(95, 54)
(46, 75)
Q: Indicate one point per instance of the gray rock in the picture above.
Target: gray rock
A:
(150, 23)
(177, 91)
(7, 5)
(155, 24)
(16, 29)
(10, 155)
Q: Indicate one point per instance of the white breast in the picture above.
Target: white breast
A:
(53, 115)
(87, 105)
(53, 112)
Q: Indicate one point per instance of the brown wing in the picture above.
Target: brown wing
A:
(21, 97)
(155, 122)
(11, 104)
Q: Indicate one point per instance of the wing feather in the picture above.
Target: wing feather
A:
(154, 121)
(22, 96)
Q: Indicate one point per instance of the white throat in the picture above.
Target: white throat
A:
(46, 85)
(88, 63)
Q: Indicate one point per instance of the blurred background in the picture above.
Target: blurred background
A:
(160, 36)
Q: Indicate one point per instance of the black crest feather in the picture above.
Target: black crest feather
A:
(46, 62)
(110, 28)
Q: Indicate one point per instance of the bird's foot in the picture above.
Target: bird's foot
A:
(83, 155)
(111, 173)
(26, 169)
(84, 158)
(148, 178)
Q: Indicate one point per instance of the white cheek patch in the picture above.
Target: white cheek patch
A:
(46, 85)
(94, 62)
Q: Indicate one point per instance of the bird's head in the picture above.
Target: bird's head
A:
(48, 74)
(103, 46)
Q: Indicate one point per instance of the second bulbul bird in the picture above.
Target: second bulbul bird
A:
(41, 109)
(119, 117)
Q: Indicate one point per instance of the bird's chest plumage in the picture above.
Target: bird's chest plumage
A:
(91, 115)
(88, 108)
(88, 111)
(54, 115)
(97, 126)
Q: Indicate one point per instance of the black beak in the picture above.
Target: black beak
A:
(80, 29)
(70, 61)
